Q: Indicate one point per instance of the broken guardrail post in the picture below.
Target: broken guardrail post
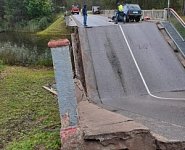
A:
(65, 86)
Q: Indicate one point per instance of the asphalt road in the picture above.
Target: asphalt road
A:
(137, 73)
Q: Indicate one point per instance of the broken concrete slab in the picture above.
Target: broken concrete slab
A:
(100, 129)
(103, 130)
(169, 145)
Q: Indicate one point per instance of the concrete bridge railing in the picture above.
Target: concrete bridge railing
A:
(108, 13)
(154, 14)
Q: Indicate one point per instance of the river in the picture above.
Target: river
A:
(25, 49)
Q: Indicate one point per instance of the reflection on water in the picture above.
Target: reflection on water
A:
(25, 49)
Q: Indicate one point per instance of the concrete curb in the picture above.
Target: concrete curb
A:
(101, 129)
(105, 130)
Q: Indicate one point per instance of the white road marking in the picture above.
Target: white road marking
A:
(140, 73)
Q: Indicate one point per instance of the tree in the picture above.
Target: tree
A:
(2, 13)
(38, 8)
(15, 11)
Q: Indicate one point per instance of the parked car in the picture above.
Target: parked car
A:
(75, 9)
(132, 12)
(96, 9)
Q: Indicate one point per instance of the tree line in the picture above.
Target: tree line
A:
(178, 5)
(40, 12)
(20, 13)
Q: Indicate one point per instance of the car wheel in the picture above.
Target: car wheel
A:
(124, 19)
(127, 19)
(137, 19)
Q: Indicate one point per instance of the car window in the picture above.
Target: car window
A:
(134, 7)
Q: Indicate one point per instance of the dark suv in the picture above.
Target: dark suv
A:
(132, 12)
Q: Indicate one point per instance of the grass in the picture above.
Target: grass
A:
(29, 114)
(56, 28)
(1, 65)
(178, 26)
(183, 18)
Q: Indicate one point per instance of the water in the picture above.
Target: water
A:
(25, 49)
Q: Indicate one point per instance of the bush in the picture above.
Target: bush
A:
(33, 25)
(44, 22)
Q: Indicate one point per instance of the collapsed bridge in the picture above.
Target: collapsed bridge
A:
(131, 69)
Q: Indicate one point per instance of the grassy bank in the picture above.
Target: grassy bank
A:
(29, 114)
(57, 28)
(29, 117)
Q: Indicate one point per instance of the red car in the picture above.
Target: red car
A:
(75, 9)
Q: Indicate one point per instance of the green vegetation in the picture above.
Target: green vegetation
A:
(56, 28)
(26, 55)
(32, 25)
(178, 26)
(29, 114)
(183, 17)
(1, 65)
(28, 16)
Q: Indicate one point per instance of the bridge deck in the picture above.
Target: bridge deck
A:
(116, 80)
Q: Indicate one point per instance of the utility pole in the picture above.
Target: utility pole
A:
(183, 7)
(168, 4)
(168, 11)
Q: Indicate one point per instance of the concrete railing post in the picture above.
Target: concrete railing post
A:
(64, 82)
(165, 14)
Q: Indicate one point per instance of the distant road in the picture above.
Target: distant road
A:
(93, 20)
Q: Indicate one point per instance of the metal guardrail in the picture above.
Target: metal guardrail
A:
(178, 17)
(177, 22)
